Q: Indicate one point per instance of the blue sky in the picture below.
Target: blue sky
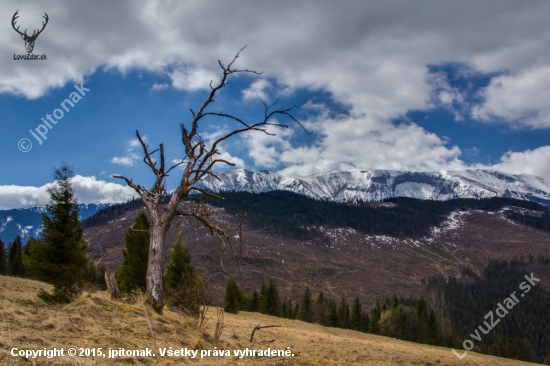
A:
(420, 86)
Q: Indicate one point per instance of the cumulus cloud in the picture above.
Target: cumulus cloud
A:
(536, 162)
(87, 190)
(520, 99)
(354, 143)
(130, 156)
(127, 160)
(193, 79)
(371, 56)
(257, 89)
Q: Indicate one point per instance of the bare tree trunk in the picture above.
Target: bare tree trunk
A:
(154, 284)
(112, 286)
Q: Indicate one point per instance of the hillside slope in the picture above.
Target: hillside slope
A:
(95, 321)
(370, 266)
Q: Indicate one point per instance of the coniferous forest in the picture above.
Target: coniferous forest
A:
(451, 310)
(296, 216)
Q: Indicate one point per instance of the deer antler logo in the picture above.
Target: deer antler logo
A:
(29, 40)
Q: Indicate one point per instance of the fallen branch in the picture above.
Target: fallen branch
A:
(258, 327)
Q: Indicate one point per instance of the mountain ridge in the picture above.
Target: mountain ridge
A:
(27, 221)
(376, 185)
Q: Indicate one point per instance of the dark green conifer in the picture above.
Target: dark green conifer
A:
(365, 321)
(254, 302)
(269, 299)
(3, 259)
(356, 311)
(60, 258)
(184, 289)
(306, 307)
(331, 315)
(343, 313)
(15, 258)
(232, 300)
(132, 273)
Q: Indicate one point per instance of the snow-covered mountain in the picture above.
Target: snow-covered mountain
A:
(27, 221)
(376, 185)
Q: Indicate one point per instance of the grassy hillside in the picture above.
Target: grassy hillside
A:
(95, 321)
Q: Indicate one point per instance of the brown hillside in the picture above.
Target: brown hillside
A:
(94, 321)
(357, 264)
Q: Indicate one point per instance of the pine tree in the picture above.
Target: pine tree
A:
(343, 313)
(356, 311)
(269, 299)
(232, 303)
(364, 322)
(60, 258)
(3, 259)
(184, 289)
(15, 258)
(306, 307)
(374, 325)
(403, 332)
(433, 331)
(289, 309)
(254, 302)
(331, 315)
(320, 308)
(133, 271)
(394, 302)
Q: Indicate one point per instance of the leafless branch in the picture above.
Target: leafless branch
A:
(258, 327)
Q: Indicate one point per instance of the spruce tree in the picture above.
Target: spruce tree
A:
(374, 325)
(184, 289)
(290, 313)
(231, 302)
(179, 270)
(15, 258)
(306, 307)
(365, 321)
(331, 315)
(254, 302)
(343, 313)
(3, 259)
(356, 311)
(60, 258)
(269, 299)
(133, 271)
(320, 308)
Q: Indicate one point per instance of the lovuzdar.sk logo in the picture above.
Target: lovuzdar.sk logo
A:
(29, 40)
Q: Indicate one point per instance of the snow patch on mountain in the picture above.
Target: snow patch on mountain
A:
(377, 185)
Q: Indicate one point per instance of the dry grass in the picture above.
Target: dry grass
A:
(95, 321)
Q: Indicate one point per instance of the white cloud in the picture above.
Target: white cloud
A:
(133, 143)
(518, 99)
(193, 79)
(127, 160)
(257, 89)
(354, 142)
(536, 162)
(87, 190)
(159, 86)
(372, 56)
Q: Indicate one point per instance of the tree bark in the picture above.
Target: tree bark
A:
(154, 284)
(112, 286)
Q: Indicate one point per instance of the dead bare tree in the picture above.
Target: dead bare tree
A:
(199, 162)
